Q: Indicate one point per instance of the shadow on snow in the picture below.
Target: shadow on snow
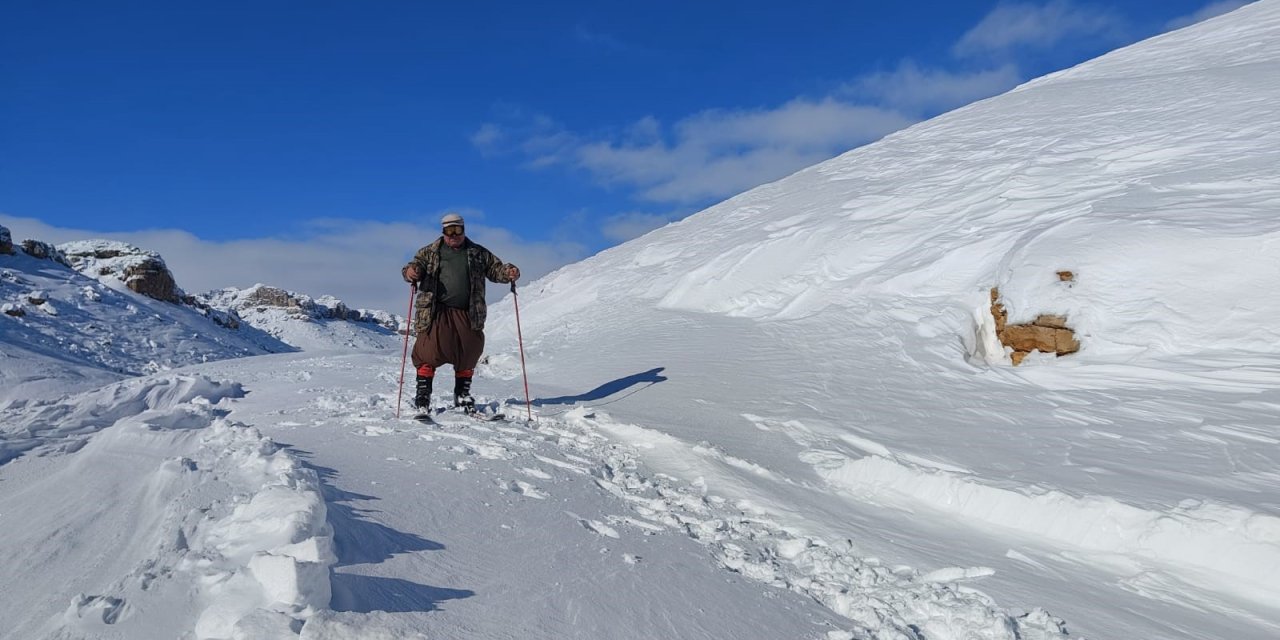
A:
(646, 378)
(357, 539)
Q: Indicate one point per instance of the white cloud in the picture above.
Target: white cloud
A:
(598, 39)
(1014, 25)
(487, 137)
(356, 261)
(916, 90)
(717, 153)
(627, 226)
(1211, 10)
(714, 153)
(799, 125)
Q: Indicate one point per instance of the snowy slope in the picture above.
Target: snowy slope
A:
(65, 327)
(828, 338)
(784, 417)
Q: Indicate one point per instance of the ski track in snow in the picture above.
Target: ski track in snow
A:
(881, 602)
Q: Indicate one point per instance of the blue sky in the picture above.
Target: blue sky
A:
(216, 129)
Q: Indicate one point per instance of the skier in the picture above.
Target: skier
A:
(450, 310)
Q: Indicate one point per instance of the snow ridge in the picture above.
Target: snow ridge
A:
(170, 402)
(1234, 549)
(196, 505)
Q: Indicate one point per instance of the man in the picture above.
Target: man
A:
(450, 311)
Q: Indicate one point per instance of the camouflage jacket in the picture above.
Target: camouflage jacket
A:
(481, 264)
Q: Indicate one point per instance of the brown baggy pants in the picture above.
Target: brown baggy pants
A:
(451, 340)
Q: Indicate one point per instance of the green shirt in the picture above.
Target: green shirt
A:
(455, 282)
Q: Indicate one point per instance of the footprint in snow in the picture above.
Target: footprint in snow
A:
(526, 489)
(595, 526)
(536, 473)
(107, 609)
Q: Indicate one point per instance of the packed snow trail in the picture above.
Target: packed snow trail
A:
(573, 505)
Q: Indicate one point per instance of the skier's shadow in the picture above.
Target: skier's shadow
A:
(358, 540)
(646, 378)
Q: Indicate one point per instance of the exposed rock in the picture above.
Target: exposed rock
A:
(1047, 334)
(264, 296)
(1031, 337)
(44, 251)
(1066, 276)
(6, 241)
(152, 279)
(227, 319)
(141, 271)
(14, 310)
(997, 311)
(1053, 322)
(37, 298)
(337, 310)
(263, 299)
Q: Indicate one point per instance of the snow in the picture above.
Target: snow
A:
(307, 323)
(170, 517)
(785, 416)
(72, 332)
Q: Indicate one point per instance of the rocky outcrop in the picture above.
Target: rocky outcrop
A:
(219, 317)
(1046, 334)
(6, 241)
(44, 251)
(264, 296)
(261, 299)
(141, 271)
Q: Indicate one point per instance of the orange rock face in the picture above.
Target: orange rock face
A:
(1047, 334)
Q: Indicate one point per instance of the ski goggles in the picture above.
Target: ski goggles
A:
(453, 230)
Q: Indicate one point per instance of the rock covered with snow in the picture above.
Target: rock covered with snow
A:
(60, 328)
(140, 270)
(261, 298)
(6, 240)
(44, 251)
(300, 320)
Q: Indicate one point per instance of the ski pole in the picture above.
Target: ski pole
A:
(520, 337)
(408, 320)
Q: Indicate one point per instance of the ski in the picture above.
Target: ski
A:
(474, 414)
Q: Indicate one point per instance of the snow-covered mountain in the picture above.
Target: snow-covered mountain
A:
(97, 310)
(794, 414)
(64, 326)
(304, 322)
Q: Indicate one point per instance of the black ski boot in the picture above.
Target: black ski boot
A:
(422, 398)
(462, 394)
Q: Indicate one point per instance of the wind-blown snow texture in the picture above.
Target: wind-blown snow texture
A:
(786, 416)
